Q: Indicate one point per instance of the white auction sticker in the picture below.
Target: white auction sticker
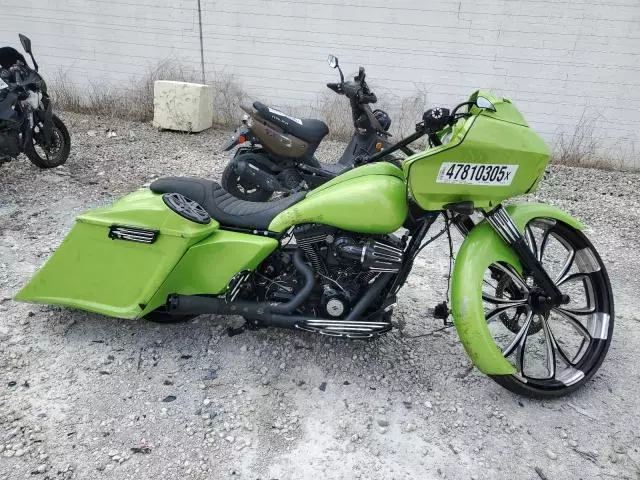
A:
(282, 114)
(477, 173)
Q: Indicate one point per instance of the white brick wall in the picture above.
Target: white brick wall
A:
(556, 59)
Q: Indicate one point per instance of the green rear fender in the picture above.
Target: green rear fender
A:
(481, 248)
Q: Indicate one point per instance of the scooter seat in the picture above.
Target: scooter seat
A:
(310, 130)
(224, 207)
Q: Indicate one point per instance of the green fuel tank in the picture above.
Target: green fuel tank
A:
(369, 199)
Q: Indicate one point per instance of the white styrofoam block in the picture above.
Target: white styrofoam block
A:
(182, 106)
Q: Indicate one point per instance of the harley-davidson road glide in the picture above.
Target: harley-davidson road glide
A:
(530, 296)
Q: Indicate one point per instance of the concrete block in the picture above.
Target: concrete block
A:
(182, 106)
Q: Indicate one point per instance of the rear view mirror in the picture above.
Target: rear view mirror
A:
(26, 43)
(332, 61)
(482, 102)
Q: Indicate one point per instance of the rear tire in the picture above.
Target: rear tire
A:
(242, 190)
(51, 157)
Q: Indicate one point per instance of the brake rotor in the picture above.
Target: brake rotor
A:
(514, 322)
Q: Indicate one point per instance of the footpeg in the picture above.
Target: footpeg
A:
(343, 328)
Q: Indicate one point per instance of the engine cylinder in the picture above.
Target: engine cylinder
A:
(373, 255)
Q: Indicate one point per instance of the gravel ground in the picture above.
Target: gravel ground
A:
(88, 397)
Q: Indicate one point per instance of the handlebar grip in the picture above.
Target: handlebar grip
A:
(336, 87)
(436, 119)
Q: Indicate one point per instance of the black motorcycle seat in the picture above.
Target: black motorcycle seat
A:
(222, 206)
(308, 129)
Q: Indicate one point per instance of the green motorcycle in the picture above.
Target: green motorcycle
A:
(530, 296)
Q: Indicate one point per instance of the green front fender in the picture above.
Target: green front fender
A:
(482, 247)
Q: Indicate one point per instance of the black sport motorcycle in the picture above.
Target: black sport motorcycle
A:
(27, 122)
(280, 152)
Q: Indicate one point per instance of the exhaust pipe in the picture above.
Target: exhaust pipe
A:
(198, 304)
(274, 314)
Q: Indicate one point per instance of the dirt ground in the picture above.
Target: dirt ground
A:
(88, 397)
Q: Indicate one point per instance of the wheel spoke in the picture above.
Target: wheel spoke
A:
(490, 316)
(513, 276)
(520, 358)
(543, 243)
(571, 277)
(560, 278)
(555, 346)
(503, 301)
(575, 323)
(552, 347)
(579, 311)
(489, 284)
(518, 340)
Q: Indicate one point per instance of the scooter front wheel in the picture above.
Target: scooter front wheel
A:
(553, 350)
(243, 190)
(53, 155)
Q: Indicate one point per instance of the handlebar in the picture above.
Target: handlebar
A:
(433, 121)
(359, 95)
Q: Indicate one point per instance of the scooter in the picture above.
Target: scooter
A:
(277, 152)
(530, 296)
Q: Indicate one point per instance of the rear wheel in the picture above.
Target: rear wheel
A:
(554, 351)
(53, 155)
(241, 189)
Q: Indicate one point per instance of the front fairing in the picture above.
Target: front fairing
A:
(486, 142)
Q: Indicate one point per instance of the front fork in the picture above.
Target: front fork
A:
(42, 117)
(501, 222)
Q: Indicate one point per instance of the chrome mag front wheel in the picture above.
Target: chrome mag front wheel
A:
(554, 349)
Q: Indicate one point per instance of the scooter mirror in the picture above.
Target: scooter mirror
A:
(26, 43)
(332, 61)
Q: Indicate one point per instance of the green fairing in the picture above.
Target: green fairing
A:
(208, 266)
(119, 278)
(500, 137)
(368, 199)
(481, 248)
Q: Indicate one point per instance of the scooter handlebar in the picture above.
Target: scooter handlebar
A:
(336, 87)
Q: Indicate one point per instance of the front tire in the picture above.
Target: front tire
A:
(556, 352)
(56, 154)
(245, 191)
